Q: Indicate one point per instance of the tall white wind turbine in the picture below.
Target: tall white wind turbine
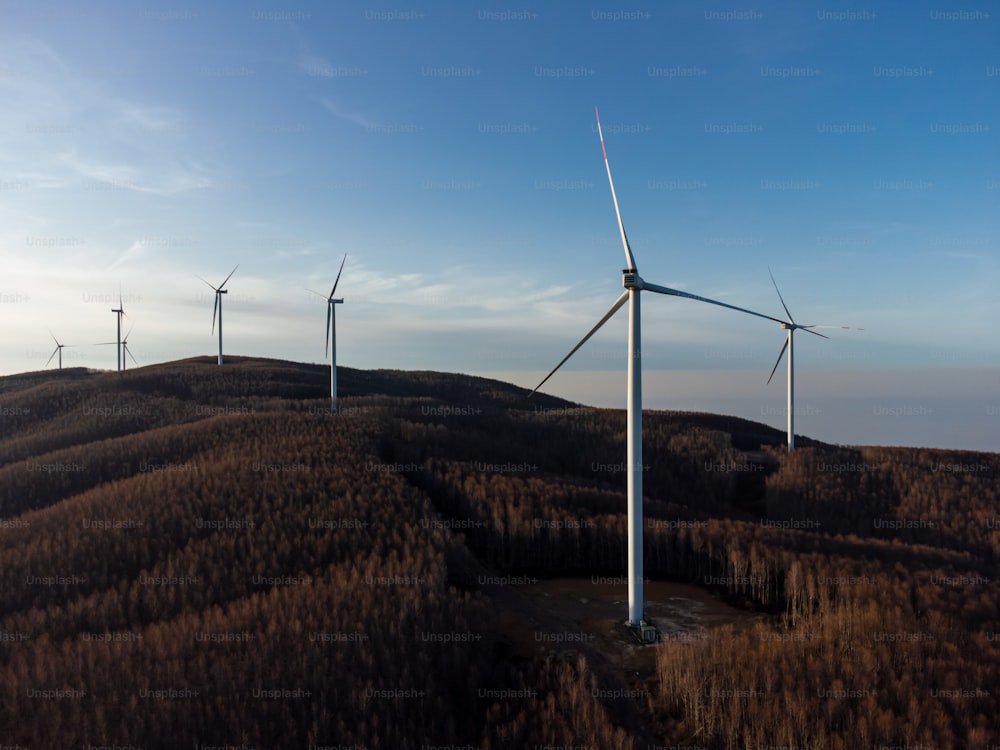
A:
(330, 342)
(791, 326)
(634, 284)
(217, 309)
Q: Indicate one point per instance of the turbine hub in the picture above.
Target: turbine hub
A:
(631, 279)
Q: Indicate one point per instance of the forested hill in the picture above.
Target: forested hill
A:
(200, 555)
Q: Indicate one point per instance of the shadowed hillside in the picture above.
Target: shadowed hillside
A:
(200, 555)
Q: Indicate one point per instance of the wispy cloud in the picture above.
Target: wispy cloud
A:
(316, 66)
(137, 250)
(156, 118)
(52, 135)
(356, 117)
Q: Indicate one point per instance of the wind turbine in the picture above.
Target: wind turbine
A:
(634, 284)
(219, 291)
(121, 311)
(126, 350)
(330, 341)
(791, 326)
(57, 350)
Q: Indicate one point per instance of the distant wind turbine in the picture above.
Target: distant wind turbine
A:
(126, 350)
(219, 291)
(791, 326)
(57, 350)
(120, 311)
(122, 347)
(330, 341)
(634, 284)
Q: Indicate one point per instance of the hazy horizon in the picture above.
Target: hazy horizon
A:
(141, 147)
(827, 408)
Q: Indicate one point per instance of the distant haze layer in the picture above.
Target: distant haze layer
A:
(932, 407)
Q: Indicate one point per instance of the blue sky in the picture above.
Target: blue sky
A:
(451, 151)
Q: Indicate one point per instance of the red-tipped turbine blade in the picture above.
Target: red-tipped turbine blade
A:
(629, 258)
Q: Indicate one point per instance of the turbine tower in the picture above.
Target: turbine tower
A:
(330, 342)
(57, 350)
(120, 311)
(219, 291)
(634, 284)
(791, 326)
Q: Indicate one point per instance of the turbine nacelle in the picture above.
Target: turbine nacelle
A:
(631, 279)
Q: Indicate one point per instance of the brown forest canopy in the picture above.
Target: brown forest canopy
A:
(194, 554)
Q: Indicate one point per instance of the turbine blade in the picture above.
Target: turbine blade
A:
(629, 258)
(607, 316)
(129, 352)
(215, 308)
(846, 328)
(780, 355)
(807, 330)
(223, 284)
(209, 285)
(326, 341)
(53, 337)
(125, 337)
(338, 276)
(676, 293)
(51, 356)
(323, 296)
(790, 318)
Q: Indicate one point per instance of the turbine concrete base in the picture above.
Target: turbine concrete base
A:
(644, 632)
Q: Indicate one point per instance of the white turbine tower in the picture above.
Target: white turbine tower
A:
(120, 311)
(331, 333)
(217, 309)
(57, 350)
(634, 284)
(791, 326)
